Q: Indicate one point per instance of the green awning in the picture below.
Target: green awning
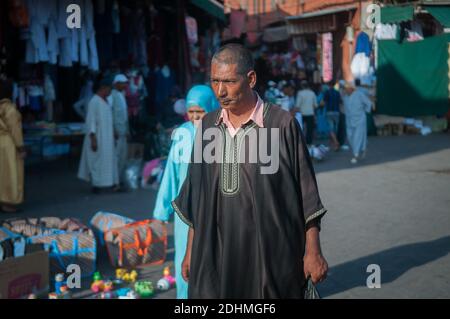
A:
(440, 13)
(212, 7)
(394, 14)
(412, 77)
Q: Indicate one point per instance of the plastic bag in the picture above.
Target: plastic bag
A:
(311, 291)
(152, 173)
(133, 174)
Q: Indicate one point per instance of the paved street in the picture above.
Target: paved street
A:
(393, 210)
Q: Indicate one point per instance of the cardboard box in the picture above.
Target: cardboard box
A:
(22, 276)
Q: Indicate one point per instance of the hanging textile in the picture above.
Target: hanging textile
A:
(18, 14)
(139, 38)
(191, 30)
(440, 13)
(412, 77)
(386, 31)
(363, 44)
(415, 33)
(327, 57)
(360, 65)
(237, 22)
(396, 14)
(48, 39)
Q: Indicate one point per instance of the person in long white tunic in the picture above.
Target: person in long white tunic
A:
(120, 122)
(356, 104)
(98, 163)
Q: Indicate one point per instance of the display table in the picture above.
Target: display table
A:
(50, 140)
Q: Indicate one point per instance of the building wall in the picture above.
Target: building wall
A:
(261, 13)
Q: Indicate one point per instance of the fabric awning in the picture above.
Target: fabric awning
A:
(275, 34)
(440, 13)
(212, 7)
(324, 12)
(314, 22)
(394, 14)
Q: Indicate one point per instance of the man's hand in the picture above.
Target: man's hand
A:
(316, 267)
(94, 145)
(22, 152)
(186, 264)
(185, 267)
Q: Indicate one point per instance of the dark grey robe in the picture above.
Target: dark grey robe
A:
(249, 227)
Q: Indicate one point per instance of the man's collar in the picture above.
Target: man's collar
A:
(257, 115)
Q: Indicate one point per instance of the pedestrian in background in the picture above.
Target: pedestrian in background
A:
(120, 122)
(200, 100)
(12, 151)
(357, 104)
(341, 130)
(306, 102)
(332, 101)
(98, 163)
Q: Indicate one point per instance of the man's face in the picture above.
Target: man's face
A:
(121, 86)
(106, 91)
(230, 87)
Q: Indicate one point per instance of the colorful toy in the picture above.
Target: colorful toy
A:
(163, 284)
(122, 292)
(52, 295)
(59, 282)
(97, 276)
(108, 286)
(131, 277)
(167, 281)
(98, 284)
(167, 275)
(122, 274)
(144, 289)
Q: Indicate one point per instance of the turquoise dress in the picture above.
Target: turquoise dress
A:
(174, 175)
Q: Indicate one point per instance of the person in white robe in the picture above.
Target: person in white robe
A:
(98, 163)
(356, 104)
(120, 120)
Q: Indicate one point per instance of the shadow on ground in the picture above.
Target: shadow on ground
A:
(393, 263)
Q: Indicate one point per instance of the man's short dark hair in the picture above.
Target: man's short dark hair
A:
(102, 81)
(304, 85)
(234, 53)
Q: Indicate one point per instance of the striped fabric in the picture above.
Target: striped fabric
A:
(69, 241)
(138, 244)
(104, 221)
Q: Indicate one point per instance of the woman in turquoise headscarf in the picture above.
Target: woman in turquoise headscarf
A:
(199, 101)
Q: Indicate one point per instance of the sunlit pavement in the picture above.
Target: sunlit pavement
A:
(392, 210)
